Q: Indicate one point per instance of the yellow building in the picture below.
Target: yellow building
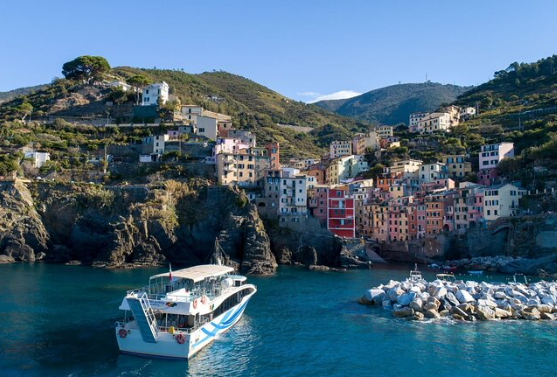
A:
(457, 166)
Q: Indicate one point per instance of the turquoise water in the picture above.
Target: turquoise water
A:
(57, 321)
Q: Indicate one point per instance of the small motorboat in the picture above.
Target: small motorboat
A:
(446, 277)
(449, 268)
(416, 275)
(476, 272)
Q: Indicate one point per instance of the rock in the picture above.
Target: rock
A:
(544, 308)
(444, 313)
(403, 312)
(417, 304)
(394, 293)
(531, 314)
(418, 316)
(548, 316)
(549, 300)
(464, 296)
(458, 317)
(499, 295)
(386, 304)
(440, 292)
(6, 259)
(430, 306)
(434, 301)
(451, 298)
(432, 313)
(406, 298)
(375, 295)
(485, 313)
(501, 313)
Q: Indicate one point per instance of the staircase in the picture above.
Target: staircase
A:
(144, 317)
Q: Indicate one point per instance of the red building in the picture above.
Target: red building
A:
(273, 151)
(340, 212)
(318, 203)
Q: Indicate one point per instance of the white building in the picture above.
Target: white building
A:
(293, 193)
(501, 201)
(362, 142)
(119, 84)
(38, 158)
(430, 173)
(385, 131)
(405, 168)
(153, 92)
(190, 112)
(415, 118)
(340, 148)
(467, 112)
(156, 143)
(492, 154)
(434, 122)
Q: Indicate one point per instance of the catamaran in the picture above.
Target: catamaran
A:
(182, 311)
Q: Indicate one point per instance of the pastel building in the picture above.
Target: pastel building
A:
(385, 131)
(501, 201)
(492, 154)
(414, 120)
(457, 166)
(293, 193)
(429, 173)
(340, 148)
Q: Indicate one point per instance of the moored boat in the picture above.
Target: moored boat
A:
(181, 312)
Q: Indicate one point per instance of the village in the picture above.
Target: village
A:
(408, 200)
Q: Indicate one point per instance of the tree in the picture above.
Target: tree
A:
(138, 82)
(86, 68)
(24, 109)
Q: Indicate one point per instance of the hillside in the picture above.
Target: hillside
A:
(526, 90)
(251, 105)
(393, 104)
(11, 94)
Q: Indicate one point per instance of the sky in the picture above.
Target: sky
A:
(304, 49)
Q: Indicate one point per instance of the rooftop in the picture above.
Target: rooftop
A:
(198, 273)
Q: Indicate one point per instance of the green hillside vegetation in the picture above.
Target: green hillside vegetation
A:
(251, 105)
(393, 104)
(11, 94)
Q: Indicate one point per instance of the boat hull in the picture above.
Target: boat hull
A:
(167, 345)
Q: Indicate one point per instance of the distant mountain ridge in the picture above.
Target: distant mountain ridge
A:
(393, 104)
(11, 94)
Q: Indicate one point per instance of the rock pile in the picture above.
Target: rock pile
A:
(465, 301)
(483, 263)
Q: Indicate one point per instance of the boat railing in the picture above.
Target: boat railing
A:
(186, 330)
(195, 294)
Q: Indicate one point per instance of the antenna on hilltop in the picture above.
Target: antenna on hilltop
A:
(426, 79)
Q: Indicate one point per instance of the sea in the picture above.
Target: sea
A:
(58, 320)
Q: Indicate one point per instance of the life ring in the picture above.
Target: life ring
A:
(123, 333)
(195, 303)
(180, 338)
(203, 299)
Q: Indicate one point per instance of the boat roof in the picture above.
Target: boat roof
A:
(198, 273)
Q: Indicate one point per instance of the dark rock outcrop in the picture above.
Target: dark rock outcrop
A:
(120, 226)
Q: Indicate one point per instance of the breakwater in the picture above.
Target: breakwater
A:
(465, 300)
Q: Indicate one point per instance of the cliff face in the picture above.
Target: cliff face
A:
(112, 227)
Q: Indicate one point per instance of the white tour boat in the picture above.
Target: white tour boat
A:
(182, 311)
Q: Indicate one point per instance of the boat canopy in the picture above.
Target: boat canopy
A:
(197, 273)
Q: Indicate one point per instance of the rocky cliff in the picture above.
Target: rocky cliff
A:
(119, 226)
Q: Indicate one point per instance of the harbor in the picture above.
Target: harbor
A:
(447, 298)
(299, 322)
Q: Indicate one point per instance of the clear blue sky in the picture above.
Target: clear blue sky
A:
(300, 48)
